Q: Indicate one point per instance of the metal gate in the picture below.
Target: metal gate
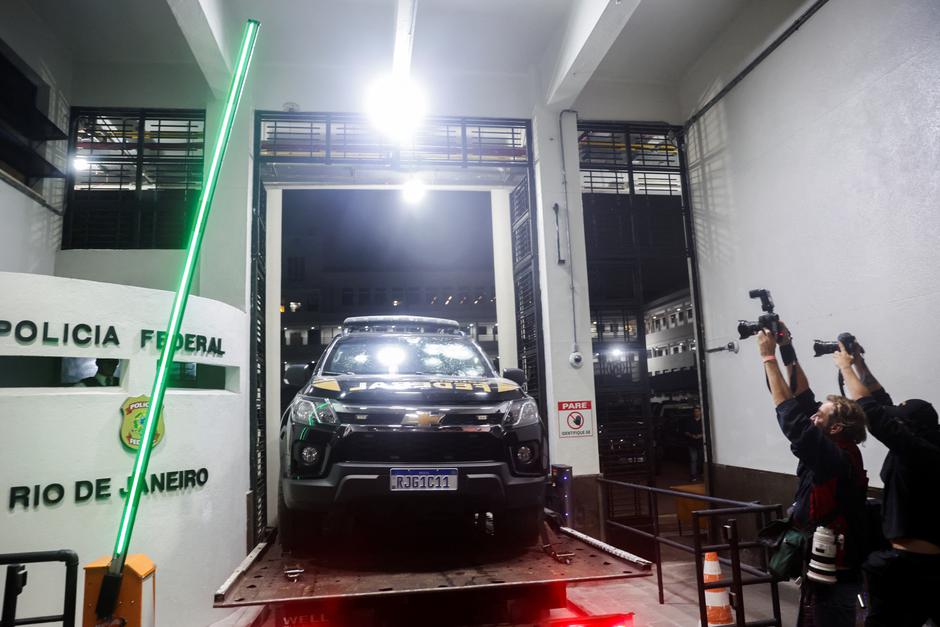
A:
(526, 286)
(305, 148)
(257, 497)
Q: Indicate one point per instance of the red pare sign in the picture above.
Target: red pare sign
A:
(575, 419)
(573, 405)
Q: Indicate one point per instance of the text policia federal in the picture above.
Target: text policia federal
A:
(84, 334)
(26, 497)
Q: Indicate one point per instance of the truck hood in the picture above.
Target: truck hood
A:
(413, 390)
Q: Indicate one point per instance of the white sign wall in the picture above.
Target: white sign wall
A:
(193, 524)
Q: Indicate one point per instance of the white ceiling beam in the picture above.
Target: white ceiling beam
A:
(405, 15)
(592, 28)
(201, 22)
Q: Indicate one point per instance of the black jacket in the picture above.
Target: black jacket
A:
(911, 474)
(833, 482)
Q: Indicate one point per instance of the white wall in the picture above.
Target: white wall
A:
(757, 24)
(30, 234)
(816, 178)
(225, 260)
(617, 100)
(66, 434)
(157, 269)
(29, 36)
(149, 85)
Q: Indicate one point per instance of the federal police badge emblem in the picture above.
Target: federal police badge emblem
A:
(133, 415)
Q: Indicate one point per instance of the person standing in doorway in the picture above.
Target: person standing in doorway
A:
(694, 440)
(104, 377)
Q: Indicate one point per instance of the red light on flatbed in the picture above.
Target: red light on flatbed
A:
(608, 620)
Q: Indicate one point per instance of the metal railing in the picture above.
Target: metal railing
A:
(16, 580)
(732, 543)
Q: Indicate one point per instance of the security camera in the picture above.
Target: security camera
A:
(576, 359)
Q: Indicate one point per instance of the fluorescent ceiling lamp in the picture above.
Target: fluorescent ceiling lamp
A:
(395, 105)
(413, 191)
(80, 163)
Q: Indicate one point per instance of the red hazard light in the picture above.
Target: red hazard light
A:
(608, 620)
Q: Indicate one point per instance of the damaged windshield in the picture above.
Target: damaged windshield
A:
(441, 355)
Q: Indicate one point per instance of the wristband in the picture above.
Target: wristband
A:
(788, 353)
(767, 358)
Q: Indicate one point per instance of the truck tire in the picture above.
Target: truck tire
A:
(521, 526)
(295, 529)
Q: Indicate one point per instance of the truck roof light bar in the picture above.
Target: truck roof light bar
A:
(400, 324)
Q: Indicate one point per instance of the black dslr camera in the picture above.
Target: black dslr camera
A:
(822, 347)
(768, 320)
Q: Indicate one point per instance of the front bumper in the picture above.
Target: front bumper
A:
(480, 486)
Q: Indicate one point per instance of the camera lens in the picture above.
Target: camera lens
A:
(821, 347)
(747, 329)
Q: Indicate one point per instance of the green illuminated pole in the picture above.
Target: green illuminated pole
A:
(179, 303)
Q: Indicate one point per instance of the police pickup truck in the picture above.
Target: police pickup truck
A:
(406, 414)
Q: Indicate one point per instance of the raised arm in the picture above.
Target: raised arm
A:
(813, 447)
(867, 378)
(790, 362)
(854, 386)
(779, 390)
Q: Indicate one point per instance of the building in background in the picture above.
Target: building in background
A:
(363, 253)
(670, 348)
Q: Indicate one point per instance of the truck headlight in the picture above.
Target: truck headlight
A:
(521, 413)
(307, 410)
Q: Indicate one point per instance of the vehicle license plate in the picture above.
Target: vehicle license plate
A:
(423, 479)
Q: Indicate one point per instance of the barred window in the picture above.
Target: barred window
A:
(135, 177)
(626, 158)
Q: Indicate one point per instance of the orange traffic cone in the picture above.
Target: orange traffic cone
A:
(716, 599)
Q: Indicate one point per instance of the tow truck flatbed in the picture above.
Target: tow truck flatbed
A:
(471, 574)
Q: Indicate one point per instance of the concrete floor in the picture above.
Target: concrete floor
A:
(640, 596)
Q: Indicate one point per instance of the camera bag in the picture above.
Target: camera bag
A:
(787, 547)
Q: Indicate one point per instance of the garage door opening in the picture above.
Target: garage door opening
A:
(371, 252)
(311, 160)
(642, 314)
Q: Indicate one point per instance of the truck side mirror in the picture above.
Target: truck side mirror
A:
(516, 376)
(296, 375)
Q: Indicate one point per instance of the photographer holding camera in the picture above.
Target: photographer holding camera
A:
(830, 499)
(904, 580)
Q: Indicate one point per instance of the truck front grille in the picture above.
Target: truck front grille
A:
(375, 417)
(411, 446)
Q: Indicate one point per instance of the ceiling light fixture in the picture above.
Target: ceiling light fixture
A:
(413, 191)
(395, 103)
(395, 106)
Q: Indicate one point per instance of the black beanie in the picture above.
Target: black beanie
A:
(916, 412)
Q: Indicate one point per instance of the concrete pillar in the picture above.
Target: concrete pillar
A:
(225, 260)
(272, 347)
(564, 291)
(502, 271)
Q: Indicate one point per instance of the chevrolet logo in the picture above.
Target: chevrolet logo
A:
(422, 418)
